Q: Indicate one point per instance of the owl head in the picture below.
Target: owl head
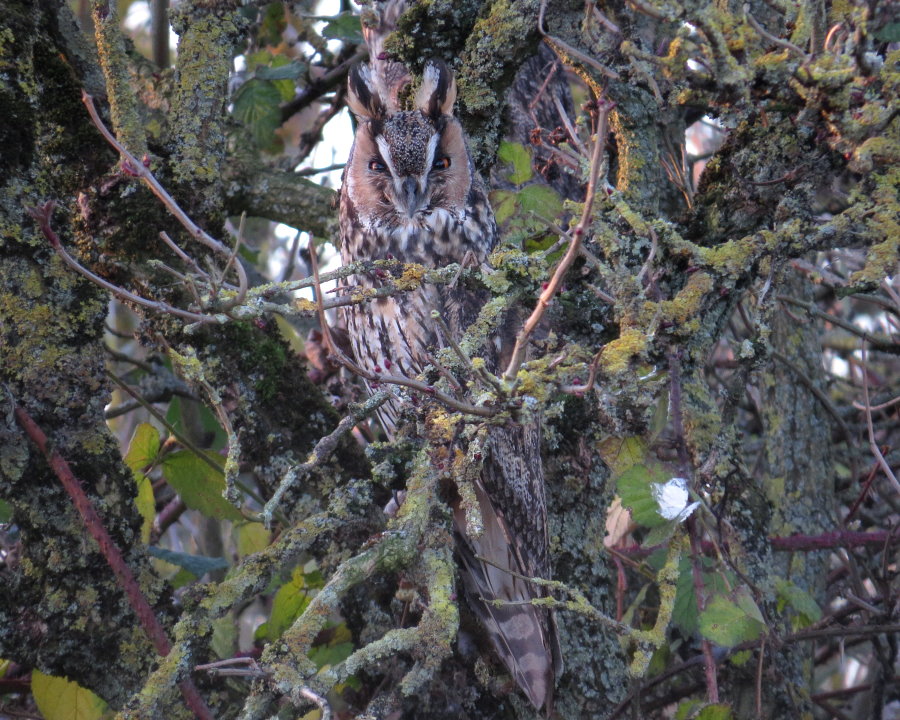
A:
(406, 163)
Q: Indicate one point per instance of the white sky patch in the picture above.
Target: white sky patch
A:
(672, 498)
(138, 18)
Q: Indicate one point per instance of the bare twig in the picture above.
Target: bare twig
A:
(780, 42)
(876, 343)
(565, 263)
(323, 450)
(318, 700)
(574, 52)
(42, 214)
(873, 445)
(135, 167)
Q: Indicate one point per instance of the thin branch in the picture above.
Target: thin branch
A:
(323, 450)
(882, 345)
(139, 169)
(565, 263)
(873, 445)
(780, 42)
(43, 213)
(574, 52)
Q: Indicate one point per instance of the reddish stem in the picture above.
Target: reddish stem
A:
(94, 525)
(712, 683)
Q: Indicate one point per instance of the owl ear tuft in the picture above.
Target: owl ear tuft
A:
(438, 90)
(362, 93)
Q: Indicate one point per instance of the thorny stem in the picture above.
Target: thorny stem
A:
(565, 263)
(93, 523)
(712, 683)
(724, 653)
(134, 166)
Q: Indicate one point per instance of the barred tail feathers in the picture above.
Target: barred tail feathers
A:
(510, 495)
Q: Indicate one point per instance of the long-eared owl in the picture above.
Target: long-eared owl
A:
(411, 192)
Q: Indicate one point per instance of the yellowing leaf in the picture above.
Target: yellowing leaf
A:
(142, 453)
(715, 712)
(143, 448)
(61, 699)
(251, 537)
(621, 453)
(727, 624)
(146, 505)
(290, 601)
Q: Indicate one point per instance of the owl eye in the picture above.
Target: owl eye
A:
(441, 164)
(376, 166)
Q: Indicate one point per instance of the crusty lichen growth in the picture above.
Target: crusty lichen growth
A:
(208, 35)
(51, 326)
(122, 101)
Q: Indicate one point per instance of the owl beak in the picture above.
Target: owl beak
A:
(410, 196)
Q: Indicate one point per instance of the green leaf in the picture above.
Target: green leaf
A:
(745, 602)
(256, 105)
(685, 614)
(634, 489)
(542, 200)
(687, 709)
(272, 24)
(143, 448)
(197, 565)
(290, 601)
(660, 534)
(725, 623)
(715, 712)
(890, 33)
(808, 610)
(330, 655)
(5, 511)
(146, 505)
(224, 642)
(741, 658)
(61, 699)
(518, 155)
(282, 72)
(199, 485)
(504, 204)
(345, 26)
